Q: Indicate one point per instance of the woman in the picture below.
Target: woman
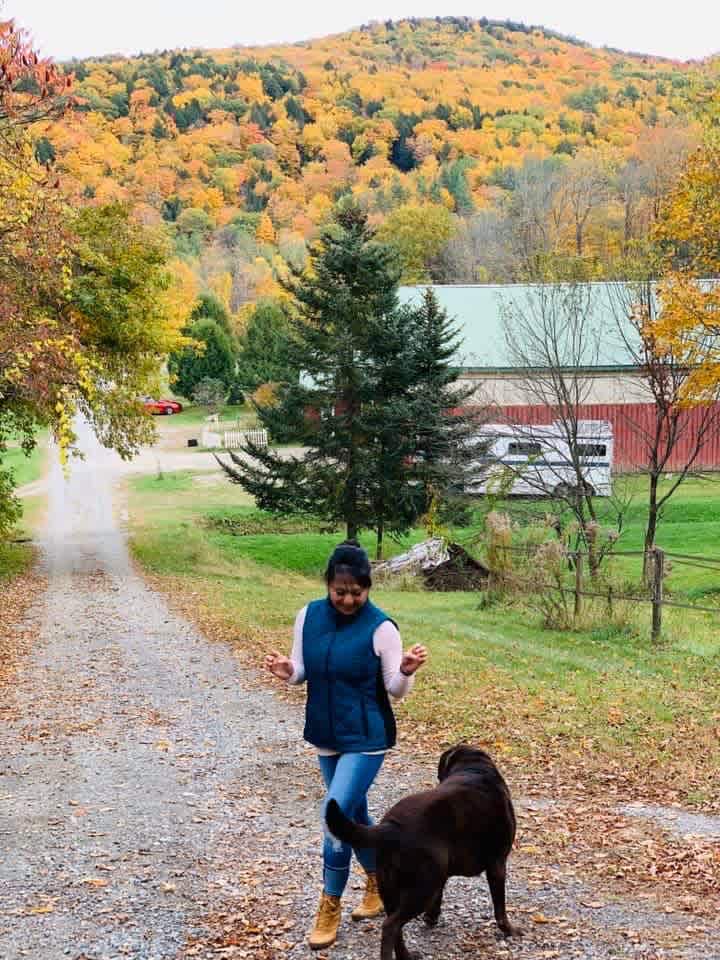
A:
(350, 653)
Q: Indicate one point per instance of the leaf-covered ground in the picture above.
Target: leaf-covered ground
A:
(20, 584)
(158, 802)
(652, 888)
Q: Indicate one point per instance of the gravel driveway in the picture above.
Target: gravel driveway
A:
(155, 802)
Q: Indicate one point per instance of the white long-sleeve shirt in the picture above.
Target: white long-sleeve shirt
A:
(387, 645)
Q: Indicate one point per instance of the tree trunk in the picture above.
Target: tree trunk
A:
(379, 548)
(627, 227)
(650, 530)
(350, 496)
(590, 532)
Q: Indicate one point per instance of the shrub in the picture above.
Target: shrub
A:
(209, 392)
(499, 540)
(546, 583)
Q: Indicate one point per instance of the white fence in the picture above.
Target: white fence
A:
(232, 439)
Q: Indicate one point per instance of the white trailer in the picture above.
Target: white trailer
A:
(536, 460)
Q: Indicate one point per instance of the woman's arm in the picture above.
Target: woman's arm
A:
(388, 646)
(292, 668)
(296, 655)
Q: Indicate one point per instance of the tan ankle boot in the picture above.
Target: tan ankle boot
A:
(326, 923)
(372, 905)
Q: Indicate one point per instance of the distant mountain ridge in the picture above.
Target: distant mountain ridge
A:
(247, 149)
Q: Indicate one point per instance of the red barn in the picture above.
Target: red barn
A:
(613, 386)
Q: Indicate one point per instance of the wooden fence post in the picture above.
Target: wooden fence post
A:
(578, 583)
(657, 593)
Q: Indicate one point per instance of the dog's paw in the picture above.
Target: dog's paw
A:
(509, 930)
(431, 919)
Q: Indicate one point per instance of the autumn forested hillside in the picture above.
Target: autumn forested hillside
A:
(483, 150)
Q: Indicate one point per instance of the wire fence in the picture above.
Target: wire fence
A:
(655, 596)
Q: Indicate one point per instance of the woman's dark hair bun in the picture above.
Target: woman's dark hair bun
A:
(349, 558)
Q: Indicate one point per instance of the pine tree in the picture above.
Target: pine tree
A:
(396, 498)
(342, 306)
(373, 405)
(440, 410)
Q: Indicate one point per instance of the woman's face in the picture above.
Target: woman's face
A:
(346, 594)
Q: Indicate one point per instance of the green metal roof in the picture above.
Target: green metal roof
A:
(477, 310)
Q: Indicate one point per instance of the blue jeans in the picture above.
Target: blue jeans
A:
(348, 777)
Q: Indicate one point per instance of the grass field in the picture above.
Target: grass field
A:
(690, 525)
(193, 414)
(14, 559)
(26, 469)
(599, 695)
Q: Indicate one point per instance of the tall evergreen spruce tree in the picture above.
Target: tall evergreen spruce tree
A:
(360, 406)
(396, 499)
(442, 424)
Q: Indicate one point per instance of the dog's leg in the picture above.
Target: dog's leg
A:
(401, 951)
(390, 928)
(392, 937)
(432, 912)
(496, 882)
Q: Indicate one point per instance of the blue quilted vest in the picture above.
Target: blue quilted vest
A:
(347, 708)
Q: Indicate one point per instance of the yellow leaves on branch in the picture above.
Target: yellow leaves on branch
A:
(181, 294)
(41, 366)
(689, 290)
(689, 325)
(692, 214)
(89, 307)
(64, 434)
(266, 395)
(418, 232)
(265, 232)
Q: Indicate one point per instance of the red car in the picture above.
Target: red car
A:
(161, 407)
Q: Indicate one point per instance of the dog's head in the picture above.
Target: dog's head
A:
(461, 756)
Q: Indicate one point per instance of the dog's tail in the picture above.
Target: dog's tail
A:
(356, 834)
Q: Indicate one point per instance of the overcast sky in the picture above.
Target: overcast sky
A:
(67, 28)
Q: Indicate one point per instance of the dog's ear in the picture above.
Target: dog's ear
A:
(445, 762)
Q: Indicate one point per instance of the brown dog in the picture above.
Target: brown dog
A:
(464, 826)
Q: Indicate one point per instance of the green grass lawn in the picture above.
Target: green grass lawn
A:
(26, 469)
(690, 525)
(603, 693)
(15, 558)
(193, 414)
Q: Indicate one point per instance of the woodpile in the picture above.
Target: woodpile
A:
(442, 565)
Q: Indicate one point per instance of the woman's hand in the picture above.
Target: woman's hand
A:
(413, 659)
(279, 665)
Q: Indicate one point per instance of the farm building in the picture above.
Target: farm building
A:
(613, 386)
